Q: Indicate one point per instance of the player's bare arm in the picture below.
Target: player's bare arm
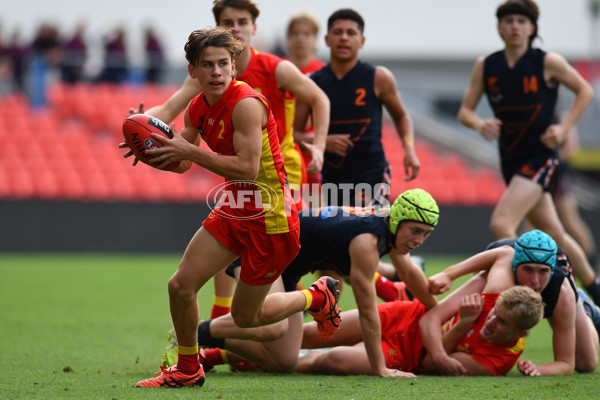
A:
(469, 309)
(413, 276)
(556, 68)
(437, 359)
(170, 109)
(442, 281)
(339, 144)
(387, 92)
(364, 257)
(301, 116)
(248, 117)
(488, 128)
(178, 101)
(291, 79)
(563, 335)
(472, 367)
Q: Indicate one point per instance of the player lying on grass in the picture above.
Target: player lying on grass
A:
(484, 332)
(349, 241)
(533, 260)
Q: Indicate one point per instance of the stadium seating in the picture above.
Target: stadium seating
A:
(69, 151)
(447, 176)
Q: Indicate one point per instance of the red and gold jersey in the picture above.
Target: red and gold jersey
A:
(496, 358)
(313, 65)
(265, 204)
(403, 347)
(260, 74)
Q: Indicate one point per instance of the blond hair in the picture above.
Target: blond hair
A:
(523, 306)
(304, 16)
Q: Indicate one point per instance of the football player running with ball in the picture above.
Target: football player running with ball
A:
(237, 124)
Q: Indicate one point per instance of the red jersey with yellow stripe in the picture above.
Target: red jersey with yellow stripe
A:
(403, 348)
(265, 204)
(260, 74)
(496, 358)
(313, 65)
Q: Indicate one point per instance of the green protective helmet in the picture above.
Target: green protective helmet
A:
(414, 205)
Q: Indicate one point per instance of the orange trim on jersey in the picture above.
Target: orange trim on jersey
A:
(520, 128)
(365, 121)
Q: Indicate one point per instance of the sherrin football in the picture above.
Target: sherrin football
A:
(136, 131)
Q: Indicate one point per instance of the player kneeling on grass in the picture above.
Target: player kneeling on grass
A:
(237, 124)
(485, 332)
(534, 260)
(349, 241)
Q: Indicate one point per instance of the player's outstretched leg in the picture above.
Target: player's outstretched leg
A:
(328, 317)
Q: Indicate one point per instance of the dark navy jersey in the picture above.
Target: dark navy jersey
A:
(325, 236)
(355, 110)
(521, 99)
(562, 271)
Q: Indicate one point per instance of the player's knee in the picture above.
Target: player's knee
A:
(589, 363)
(178, 289)
(329, 362)
(244, 319)
(498, 227)
(556, 233)
(241, 320)
(285, 363)
(273, 331)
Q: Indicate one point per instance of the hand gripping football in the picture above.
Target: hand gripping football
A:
(136, 131)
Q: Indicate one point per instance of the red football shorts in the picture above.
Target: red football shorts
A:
(264, 257)
(401, 341)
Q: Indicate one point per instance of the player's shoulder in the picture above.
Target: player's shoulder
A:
(566, 301)
(243, 96)
(554, 60)
(383, 70)
(384, 76)
(267, 58)
(501, 242)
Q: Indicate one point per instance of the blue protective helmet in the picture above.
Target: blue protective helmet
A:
(535, 247)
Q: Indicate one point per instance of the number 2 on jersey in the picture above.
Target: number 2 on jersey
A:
(360, 97)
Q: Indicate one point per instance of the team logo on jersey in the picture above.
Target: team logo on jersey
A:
(493, 89)
(492, 83)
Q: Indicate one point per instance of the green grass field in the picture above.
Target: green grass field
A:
(91, 326)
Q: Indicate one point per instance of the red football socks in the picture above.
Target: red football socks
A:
(315, 300)
(187, 360)
(221, 306)
(214, 356)
(385, 288)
